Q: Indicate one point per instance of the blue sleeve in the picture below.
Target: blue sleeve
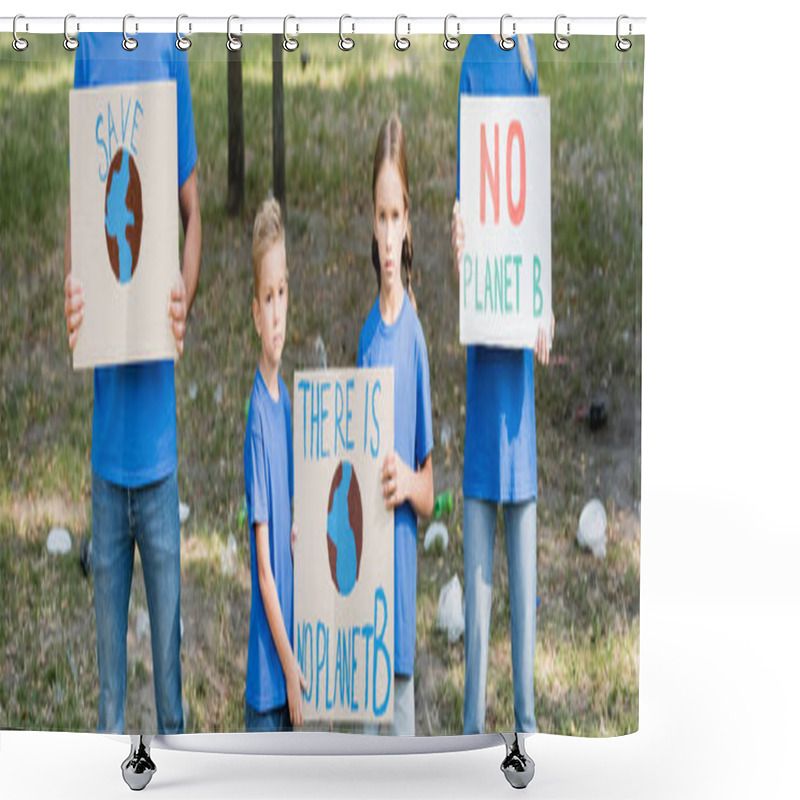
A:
(257, 488)
(81, 56)
(423, 439)
(289, 446)
(187, 145)
(360, 356)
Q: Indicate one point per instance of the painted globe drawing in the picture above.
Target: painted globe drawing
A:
(345, 528)
(123, 217)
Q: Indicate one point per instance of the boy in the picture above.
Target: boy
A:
(134, 423)
(273, 699)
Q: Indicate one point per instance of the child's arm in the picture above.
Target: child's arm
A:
(182, 293)
(269, 595)
(401, 483)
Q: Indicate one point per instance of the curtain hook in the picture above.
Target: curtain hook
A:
(290, 44)
(451, 42)
(19, 44)
(234, 41)
(128, 42)
(623, 45)
(401, 42)
(181, 41)
(506, 42)
(345, 42)
(560, 43)
(70, 42)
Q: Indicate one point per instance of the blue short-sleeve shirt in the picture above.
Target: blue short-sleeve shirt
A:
(134, 428)
(500, 436)
(402, 346)
(269, 487)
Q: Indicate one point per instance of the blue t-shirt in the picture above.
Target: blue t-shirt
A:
(402, 346)
(500, 437)
(269, 487)
(134, 428)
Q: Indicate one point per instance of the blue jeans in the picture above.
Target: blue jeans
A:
(147, 518)
(479, 531)
(272, 721)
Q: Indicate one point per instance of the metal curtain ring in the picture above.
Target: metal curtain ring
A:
(506, 42)
(345, 42)
(560, 43)
(181, 42)
(401, 42)
(70, 42)
(19, 44)
(451, 42)
(234, 42)
(290, 44)
(623, 45)
(128, 42)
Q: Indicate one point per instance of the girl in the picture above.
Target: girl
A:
(392, 336)
(499, 444)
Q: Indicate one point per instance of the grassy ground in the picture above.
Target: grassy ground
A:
(587, 664)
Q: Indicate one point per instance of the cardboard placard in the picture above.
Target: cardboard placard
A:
(124, 220)
(505, 274)
(343, 423)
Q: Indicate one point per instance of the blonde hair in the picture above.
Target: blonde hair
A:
(267, 232)
(525, 57)
(391, 148)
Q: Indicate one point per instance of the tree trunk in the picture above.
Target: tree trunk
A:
(278, 148)
(235, 134)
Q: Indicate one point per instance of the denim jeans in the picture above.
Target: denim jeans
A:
(147, 518)
(480, 517)
(272, 721)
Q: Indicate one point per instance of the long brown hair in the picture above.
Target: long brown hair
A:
(391, 147)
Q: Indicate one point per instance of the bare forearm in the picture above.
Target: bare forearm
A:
(272, 607)
(192, 237)
(420, 493)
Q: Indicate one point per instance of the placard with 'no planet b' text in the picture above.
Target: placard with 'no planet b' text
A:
(124, 220)
(344, 555)
(505, 273)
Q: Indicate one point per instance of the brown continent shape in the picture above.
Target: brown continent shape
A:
(354, 509)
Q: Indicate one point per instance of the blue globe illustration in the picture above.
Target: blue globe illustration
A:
(123, 215)
(345, 528)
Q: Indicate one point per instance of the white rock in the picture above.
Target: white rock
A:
(193, 391)
(228, 559)
(59, 542)
(437, 532)
(451, 610)
(320, 353)
(183, 512)
(218, 394)
(142, 623)
(592, 528)
(445, 435)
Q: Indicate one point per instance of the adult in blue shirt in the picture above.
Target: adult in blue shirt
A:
(499, 444)
(134, 427)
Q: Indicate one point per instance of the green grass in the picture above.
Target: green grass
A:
(586, 674)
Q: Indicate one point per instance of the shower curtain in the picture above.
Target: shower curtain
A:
(459, 358)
